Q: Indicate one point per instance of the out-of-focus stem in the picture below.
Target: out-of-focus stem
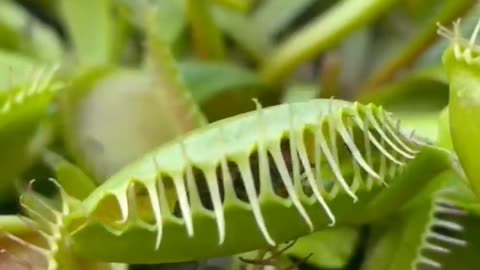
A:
(321, 34)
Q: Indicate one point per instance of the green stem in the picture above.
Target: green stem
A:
(323, 33)
(208, 38)
(416, 45)
(177, 99)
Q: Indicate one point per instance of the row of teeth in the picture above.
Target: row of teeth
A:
(52, 223)
(41, 82)
(446, 208)
(54, 235)
(182, 184)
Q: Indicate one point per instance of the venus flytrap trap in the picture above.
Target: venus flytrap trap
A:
(462, 64)
(42, 241)
(315, 163)
(195, 190)
(431, 228)
(17, 250)
(22, 110)
(417, 237)
(442, 231)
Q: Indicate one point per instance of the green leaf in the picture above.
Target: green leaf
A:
(75, 182)
(26, 34)
(171, 19)
(208, 79)
(22, 133)
(176, 98)
(91, 28)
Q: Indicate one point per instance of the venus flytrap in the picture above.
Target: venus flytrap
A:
(224, 188)
(22, 110)
(17, 250)
(41, 242)
(417, 237)
(314, 162)
(462, 64)
(318, 163)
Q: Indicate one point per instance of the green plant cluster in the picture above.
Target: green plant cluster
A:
(275, 134)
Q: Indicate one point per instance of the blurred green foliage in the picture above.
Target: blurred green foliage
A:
(141, 73)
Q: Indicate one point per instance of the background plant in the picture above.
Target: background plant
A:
(133, 75)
